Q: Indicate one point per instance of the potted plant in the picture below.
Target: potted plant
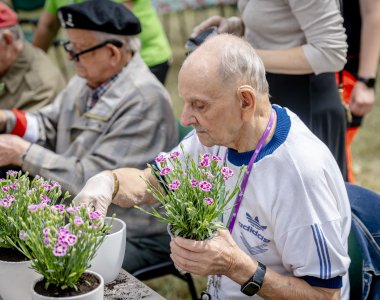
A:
(109, 258)
(193, 193)
(61, 242)
(17, 193)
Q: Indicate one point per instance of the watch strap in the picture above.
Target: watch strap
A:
(254, 284)
(369, 82)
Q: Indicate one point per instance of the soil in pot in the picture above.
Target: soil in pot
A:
(87, 282)
(12, 255)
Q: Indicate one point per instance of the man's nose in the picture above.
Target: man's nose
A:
(187, 119)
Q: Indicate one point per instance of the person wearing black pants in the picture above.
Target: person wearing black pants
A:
(315, 99)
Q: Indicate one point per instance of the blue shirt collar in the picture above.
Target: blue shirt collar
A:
(279, 137)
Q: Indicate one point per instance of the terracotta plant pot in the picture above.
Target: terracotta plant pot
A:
(96, 294)
(16, 279)
(110, 255)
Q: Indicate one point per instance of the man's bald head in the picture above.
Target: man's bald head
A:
(230, 59)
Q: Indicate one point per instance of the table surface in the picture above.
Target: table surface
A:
(128, 287)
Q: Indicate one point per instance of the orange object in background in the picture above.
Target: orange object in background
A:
(346, 82)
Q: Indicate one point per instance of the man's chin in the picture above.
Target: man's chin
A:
(205, 141)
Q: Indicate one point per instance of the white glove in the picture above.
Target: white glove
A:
(97, 191)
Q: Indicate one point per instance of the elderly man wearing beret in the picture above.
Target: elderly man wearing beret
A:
(28, 79)
(113, 113)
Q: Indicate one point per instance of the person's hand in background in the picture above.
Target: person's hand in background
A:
(362, 99)
(233, 25)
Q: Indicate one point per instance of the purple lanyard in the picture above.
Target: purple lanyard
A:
(249, 168)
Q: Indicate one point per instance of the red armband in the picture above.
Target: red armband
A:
(21, 123)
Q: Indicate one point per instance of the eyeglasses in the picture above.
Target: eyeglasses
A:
(75, 55)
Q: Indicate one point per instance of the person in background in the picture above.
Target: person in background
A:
(28, 79)
(287, 232)
(155, 49)
(362, 23)
(302, 44)
(114, 113)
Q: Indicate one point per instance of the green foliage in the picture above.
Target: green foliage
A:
(61, 241)
(194, 193)
(17, 192)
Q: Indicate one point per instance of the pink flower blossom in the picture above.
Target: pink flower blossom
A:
(165, 171)
(46, 186)
(216, 158)
(42, 205)
(11, 198)
(46, 240)
(45, 198)
(174, 185)
(46, 231)
(78, 220)
(71, 239)
(174, 154)
(160, 159)
(59, 207)
(33, 208)
(12, 173)
(94, 215)
(60, 249)
(5, 189)
(72, 209)
(206, 156)
(205, 163)
(55, 183)
(63, 238)
(13, 185)
(208, 200)
(22, 235)
(194, 183)
(63, 231)
(205, 186)
(227, 173)
(5, 203)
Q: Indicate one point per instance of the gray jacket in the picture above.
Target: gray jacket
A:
(130, 124)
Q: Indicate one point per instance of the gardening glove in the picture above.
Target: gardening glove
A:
(232, 25)
(98, 192)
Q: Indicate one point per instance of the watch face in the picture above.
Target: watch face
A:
(371, 83)
(251, 288)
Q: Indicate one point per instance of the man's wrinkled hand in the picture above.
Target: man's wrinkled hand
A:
(97, 192)
(218, 255)
(12, 149)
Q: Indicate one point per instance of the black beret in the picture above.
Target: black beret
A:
(100, 15)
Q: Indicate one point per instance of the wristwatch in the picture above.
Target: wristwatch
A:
(253, 285)
(369, 82)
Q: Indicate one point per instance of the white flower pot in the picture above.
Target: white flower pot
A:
(16, 279)
(96, 294)
(110, 255)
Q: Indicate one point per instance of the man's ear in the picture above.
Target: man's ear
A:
(247, 96)
(8, 38)
(115, 54)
